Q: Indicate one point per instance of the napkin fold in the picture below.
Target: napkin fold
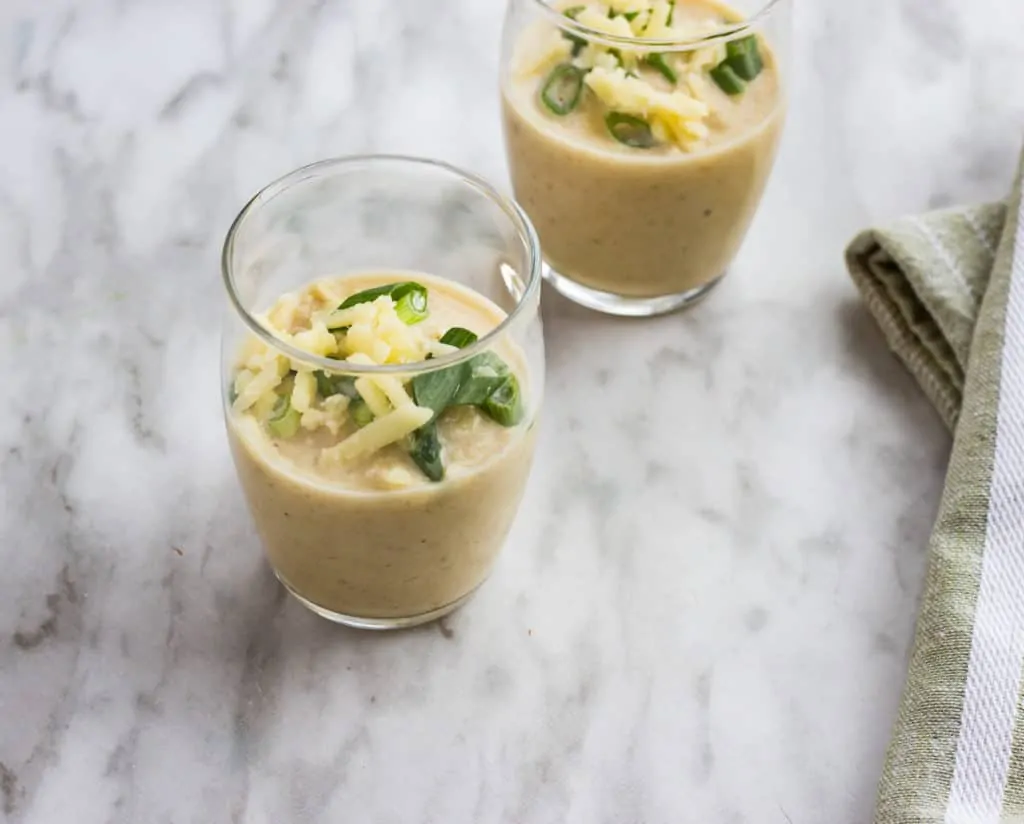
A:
(947, 290)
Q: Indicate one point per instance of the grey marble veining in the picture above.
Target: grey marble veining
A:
(704, 611)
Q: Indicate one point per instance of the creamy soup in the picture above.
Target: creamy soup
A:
(641, 170)
(382, 496)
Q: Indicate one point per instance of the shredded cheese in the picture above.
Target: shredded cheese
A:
(303, 392)
(629, 6)
(377, 434)
(677, 114)
(374, 396)
(598, 21)
(317, 340)
(615, 26)
(266, 380)
(657, 26)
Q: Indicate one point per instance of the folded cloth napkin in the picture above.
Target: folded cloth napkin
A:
(947, 290)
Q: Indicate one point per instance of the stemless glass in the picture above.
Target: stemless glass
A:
(383, 558)
(639, 230)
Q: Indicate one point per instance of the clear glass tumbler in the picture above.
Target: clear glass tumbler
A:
(640, 137)
(384, 557)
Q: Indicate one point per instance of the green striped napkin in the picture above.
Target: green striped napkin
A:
(947, 290)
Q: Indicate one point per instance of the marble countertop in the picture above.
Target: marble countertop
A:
(704, 611)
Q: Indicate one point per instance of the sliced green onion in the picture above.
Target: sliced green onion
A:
(284, 420)
(747, 66)
(435, 390)
(367, 295)
(505, 405)
(741, 45)
(726, 78)
(484, 381)
(630, 130)
(562, 90)
(671, 12)
(414, 293)
(425, 451)
(744, 57)
(578, 43)
(657, 61)
(412, 307)
(360, 413)
(483, 375)
(328, 385)
(457, 336)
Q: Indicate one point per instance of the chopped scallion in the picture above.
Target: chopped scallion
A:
(657, 62)
(630, 130)
(563, 88)
(484, 381)
(727, 79)
(457, 336)
(412, 307)
(480, 379)
(360, 413)
(284, 420)
(414, 294)
(578, 43)
(744, 57)
(505, 404)
(425, 451)
(328, 385)
(435, 390)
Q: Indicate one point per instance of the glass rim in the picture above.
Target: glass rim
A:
(728, 31)
(519, 219)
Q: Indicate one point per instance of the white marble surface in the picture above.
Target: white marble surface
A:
(704, 611)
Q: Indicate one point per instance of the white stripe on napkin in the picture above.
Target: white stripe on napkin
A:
(951, 263)
(997, 642)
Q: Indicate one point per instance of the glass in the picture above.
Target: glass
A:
(639, 230)
(383, 558)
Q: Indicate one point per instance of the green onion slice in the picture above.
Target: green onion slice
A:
(409, 294)
(284, 420)
(425, 451)
(412, 307)
(657, 61)
(744, 57)
(578, 43)
(630, 130)
(457, 336)
(484, 381)
(481, 377)
(563, 88)
(360, 413)
(435, 390)
(505, 404)
(727, 79)
(328, 385)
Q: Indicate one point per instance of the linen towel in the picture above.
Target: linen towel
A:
(947, 290)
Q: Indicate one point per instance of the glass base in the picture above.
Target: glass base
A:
(612, 304)
(358, 622)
